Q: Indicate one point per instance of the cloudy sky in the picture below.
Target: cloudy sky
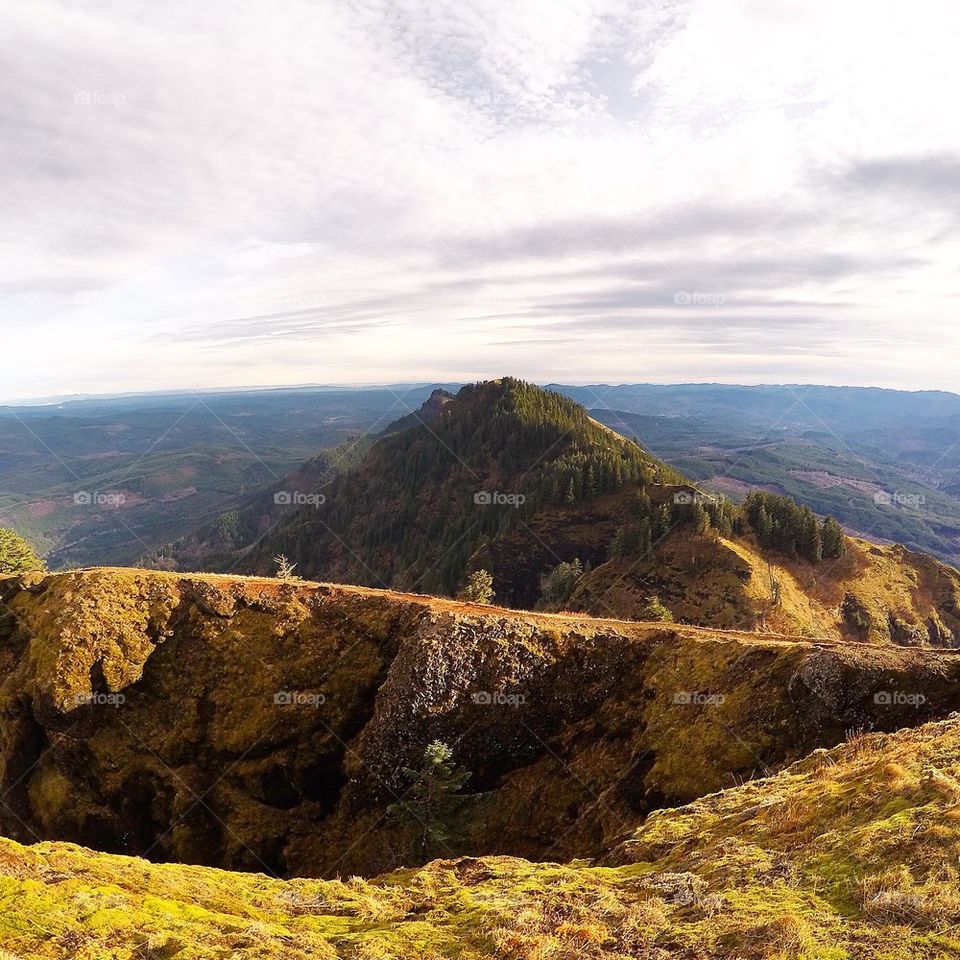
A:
(348, 191)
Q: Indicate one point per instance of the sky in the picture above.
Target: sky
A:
(579, 191)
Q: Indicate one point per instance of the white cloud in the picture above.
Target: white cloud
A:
(220, 194)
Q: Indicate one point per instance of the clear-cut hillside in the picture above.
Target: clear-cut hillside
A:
(263, 725)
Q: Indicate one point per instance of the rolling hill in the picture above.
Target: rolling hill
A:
(108, 480)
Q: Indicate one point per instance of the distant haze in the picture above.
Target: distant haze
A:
(211, 195)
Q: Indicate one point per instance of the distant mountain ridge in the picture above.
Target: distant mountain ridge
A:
(182, 460)
(886, 463)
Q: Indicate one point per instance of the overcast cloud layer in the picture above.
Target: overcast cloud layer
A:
(240, 193)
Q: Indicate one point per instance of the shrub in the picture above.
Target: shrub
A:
(654, 610)
(558, 584)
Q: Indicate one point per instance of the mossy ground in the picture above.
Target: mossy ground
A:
(850, 854)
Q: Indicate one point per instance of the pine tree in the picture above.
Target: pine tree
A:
(833, 540)
(432, 800)
(654, 610)
(700, 518)
(558, 584)
(763, 526)
(478, 589)
(662, 522)
(808, 536)
(16, 555)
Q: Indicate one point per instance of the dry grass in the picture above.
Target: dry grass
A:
(895, 897)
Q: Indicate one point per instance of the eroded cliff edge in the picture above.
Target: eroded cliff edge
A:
(262, 725)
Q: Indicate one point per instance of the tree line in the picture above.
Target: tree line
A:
(777, 522)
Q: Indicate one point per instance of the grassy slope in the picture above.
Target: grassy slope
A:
(850, 853)
(910, 598)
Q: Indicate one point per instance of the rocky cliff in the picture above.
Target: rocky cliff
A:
(264, 725)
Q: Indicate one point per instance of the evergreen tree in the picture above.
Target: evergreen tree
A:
(632, 540)
(699, 517)
(478, 589)
(780, 523)
(558, 584)
(763, 526)
(654, 610)
(432, 800)
(662, 522)
(833, 539)
(16, 555)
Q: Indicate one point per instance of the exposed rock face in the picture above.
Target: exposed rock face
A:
(259, 724)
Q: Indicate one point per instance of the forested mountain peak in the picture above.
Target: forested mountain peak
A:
(512, 491)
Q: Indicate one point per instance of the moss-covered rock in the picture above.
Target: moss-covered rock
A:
(264, 725)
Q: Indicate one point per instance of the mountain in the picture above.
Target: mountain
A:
(139, 709)
(217, 544)
(886, 463)
(444, 494)
(565, 513)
